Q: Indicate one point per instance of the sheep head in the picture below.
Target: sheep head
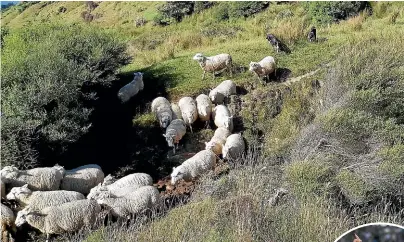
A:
(60, 168)
(108, 180)
(176, 175)
(22, 217)
(170, 139)
(199, 57)
(165, 119)
(17, 192)
(254, 66)
(9, 173)
(228, 123)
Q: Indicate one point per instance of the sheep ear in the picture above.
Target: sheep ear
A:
(174, 168)
(25, 186)
(165, 135)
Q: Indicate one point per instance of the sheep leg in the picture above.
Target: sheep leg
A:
(203, 75)
(190, 127)
(174, 150)
(47, 237)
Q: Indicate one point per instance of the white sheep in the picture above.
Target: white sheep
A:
(175, 109)
(133, 203)
(264, 68)
(7, 223)
(222, 118)
(132, 88)
(38, 179)
(38, 200)
(161, 107)
(234, 146)
(82, 179)
(214, 63)
(3, 188)
(218, 140)
(68, 217)
(223, 91)
(204, 107)
(188, 110)
(174, 133)
(133, 180)
(195, 166)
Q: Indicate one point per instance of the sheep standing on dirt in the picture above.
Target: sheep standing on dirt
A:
(39, 200)
(132, 88)
(134, 180)
(222, 92)
(68, 217)
(82, 179)
(38, 179)
(234, 146)
(174, 133)
(218, 140)
(189, 110)
(222, 118)
(214, 63)
(204, 107)
(162, 108)
(175, 109)
(143, 198)
(264, 68)
(7, 223)
(195, 166)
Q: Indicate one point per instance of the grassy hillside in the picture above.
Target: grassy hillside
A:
(333, 138)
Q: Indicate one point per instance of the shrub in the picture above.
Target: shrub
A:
(246, 9)
(91, 5)
(176, 10)
(221, 12)
(62, 9)
(87, 16)
(202, 5)
(48, 78)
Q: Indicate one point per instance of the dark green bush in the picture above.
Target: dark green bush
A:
(327, 12)
(49, 73)
(221, 12)
(246, 9)
(202, 5)
(176, 10)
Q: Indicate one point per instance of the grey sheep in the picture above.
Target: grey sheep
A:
(224, 90)
(82, 179)
(222, 117)
(188, 110)
(175, 109)
(264, 68)
(218, 140)
(38, 179)
(214, 63)
(234, 147)
(195, 166)
(161, 107)
(204, 107)
(68, 217)
(132, 88)
(143, 198)
(38, 200)
(174, 133)
(7, 223)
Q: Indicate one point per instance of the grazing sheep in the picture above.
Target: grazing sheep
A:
(39, 200)
(214, 63)
(7, 223)
(132, 88)
(82, 179)
(218, 140)
(277, 44)
(195, 166)
(68, 217)
(174, 133)
(162, 108)
(3, 188)
(264, 68)
(188, 110)
(222, 91)
(204, 107)
(175, 109)
(222, 118)
(312, 36)
(38, 179)
(143, 198)
(133, 180)
(234, 146)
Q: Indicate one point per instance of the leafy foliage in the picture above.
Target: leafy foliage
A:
(246, 9)
(177, 10)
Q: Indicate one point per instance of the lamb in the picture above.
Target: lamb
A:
(38, 179)
(175, 109)
(134, 180)
(189, 110)
(132, 88)
(174, 133)
(222, 118)
(162, 108)
(3, 188)
(82, 179)
(143, 198)
(204, 107)
(234, 146)
(214, 63)
(195, 166)
(39, 200)
(218, 140)
(264, 68)
(222, 91)
(7, 223)
(68, 217)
